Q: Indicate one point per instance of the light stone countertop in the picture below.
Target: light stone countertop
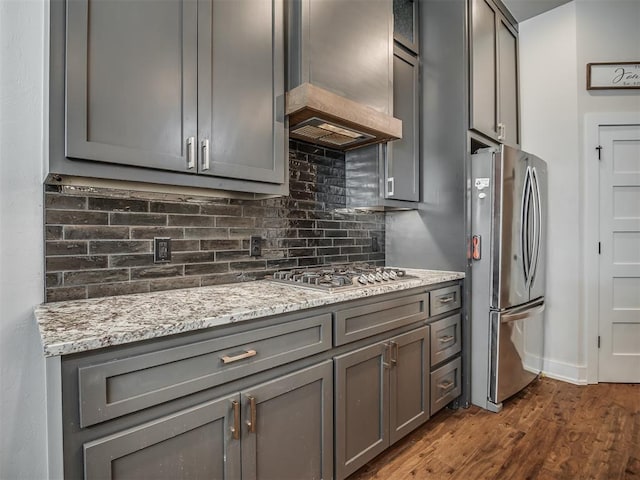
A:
(83, 325)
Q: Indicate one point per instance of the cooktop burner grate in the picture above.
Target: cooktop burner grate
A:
(339, 277)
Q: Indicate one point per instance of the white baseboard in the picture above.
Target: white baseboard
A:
(566, 372)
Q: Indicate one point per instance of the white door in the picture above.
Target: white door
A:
(619, 278)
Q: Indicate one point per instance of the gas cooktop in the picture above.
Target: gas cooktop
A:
(339, 277)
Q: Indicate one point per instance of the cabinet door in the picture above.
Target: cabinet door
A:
(508, 84)
(403, 155)
(483, 68)
(409, 382)
(241, 89)
(288, 426)
(405, 23)
(193, 443)
(131, 80)
(362, 407)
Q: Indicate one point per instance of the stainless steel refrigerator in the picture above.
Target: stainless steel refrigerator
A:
(508, 252)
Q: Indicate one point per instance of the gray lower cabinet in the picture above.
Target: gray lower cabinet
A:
(194, 443)
(382, 393)
(171, 86)
(287, 426)
(281, 429)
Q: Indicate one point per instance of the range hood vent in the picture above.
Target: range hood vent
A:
(319, 116)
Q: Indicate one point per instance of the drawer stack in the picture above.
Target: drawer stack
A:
(446, 336)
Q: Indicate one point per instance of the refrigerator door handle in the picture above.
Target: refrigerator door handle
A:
(537, 223)
(523, 313)
(524, 226)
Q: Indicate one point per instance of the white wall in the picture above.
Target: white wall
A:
(22, 383)
(549, 103)
(554, 50)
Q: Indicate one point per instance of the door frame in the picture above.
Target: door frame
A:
(591, 228)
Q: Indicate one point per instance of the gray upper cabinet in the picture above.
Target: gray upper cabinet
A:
(405, 23)
(241, 89)
(509, 124)
(178, 92)
(131, 86)
(494, 74)
(387, 176)
(403, 156)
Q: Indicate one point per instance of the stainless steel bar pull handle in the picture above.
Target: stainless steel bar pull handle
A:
(390, 186)
(251, 423)
(204, 162)
(385, 356)
(191, 152)
(537, 223)
(394, 353)
(445, 386)
(235, 358)
(446, 338)
(501, 131)
(235, 430)
(448, 299)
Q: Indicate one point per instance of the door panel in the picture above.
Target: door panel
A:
(403, 154)
(409, 382)
(510, 287)
(131, 81)
(619, 316)
(508, 83)
(483, 57)
(241, 89)
(293, 437)
(362, 406)
(193, 443)
(539, 269)
(517, 345)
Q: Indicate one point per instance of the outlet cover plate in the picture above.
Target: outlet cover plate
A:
(255, 246)
(161, 250)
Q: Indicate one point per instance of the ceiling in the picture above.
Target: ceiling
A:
(524, 9)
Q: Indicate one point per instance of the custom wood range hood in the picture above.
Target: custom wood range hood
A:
(319, 116)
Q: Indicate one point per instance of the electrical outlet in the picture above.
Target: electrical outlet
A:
(161, 250)
(255, 246)
(375, 246)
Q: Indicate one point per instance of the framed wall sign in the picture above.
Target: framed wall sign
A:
(601, 76)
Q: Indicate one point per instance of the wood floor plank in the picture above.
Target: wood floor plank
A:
(550, 431)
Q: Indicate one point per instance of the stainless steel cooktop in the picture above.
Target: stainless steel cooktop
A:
(339, 277)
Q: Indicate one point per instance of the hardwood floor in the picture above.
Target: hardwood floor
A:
(551, 430)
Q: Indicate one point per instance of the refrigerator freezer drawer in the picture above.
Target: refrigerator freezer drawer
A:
(516, 349)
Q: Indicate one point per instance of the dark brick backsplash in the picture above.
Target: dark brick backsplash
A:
(99, 242)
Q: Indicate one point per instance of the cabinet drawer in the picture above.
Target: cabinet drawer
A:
(445, 385)
(111, 389)
(445, 339)
(377, 317)
(444, 300)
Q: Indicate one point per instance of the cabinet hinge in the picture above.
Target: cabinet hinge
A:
(599, 148)
(599, 248)
(598, 341)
